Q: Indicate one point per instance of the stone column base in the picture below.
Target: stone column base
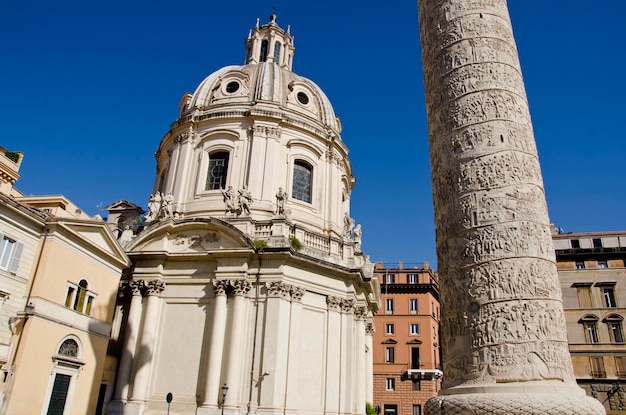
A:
(513, 404)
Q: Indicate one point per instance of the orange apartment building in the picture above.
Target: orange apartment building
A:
(407, 360)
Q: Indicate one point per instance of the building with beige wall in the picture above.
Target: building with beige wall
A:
(407, 365)
(249, 292)
(593, 280)
(59, 276)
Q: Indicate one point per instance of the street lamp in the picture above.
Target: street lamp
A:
(224, 392)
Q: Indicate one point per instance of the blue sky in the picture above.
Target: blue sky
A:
(88, 89)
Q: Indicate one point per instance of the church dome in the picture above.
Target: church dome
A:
(265, 81)
(258, 142)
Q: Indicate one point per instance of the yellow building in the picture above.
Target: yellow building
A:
(593, 280)
(59, 272)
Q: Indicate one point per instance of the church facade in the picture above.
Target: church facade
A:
(248, 292)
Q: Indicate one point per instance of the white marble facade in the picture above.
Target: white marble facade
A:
(247, 273)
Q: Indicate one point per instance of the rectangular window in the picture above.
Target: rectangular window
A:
(416, 384)
(389, 278)
(615, 330)
(602, 264)
(416, 363)
(597, 243)
(390, 355)
(413, 305)
(597, 367)
(580, 265)
(609, 297)
(591, 333)
(415, 329)
(389, 305)
(10, 252)
(391, 385)
(391, 409)
(575, 243)
(417, 409)
(412, 278)
(620, 364)
(389, 329)
(584, 296)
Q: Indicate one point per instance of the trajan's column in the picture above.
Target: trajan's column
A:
(503, 331)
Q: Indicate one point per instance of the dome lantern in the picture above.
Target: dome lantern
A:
(270, 43)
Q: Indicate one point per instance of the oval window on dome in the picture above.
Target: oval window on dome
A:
(232, 87)
(303, 98)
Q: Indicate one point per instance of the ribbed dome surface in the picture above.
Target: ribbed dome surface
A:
(265, 84)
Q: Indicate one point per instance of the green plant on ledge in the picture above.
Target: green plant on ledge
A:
(260, 244)
(369, 409)
(13, 156)
(295, 243)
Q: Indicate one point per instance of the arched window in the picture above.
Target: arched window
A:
(589, 325)
(277, 52)
(614, 324)
(263, 55)
(218, 168)
(69, 348)
(79, 298)
(302, 175)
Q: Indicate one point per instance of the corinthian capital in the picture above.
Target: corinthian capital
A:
(278, 289)
(347, 305)
(219, 287)
(240, 287)
(154, 287)
(297, 293)
(334, 303)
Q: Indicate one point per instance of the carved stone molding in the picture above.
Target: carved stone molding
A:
(154, 287)
(370, 328)
(334, 303)
(266, 131)
(278, 289)
(297, 293)
(347, 305)
(136, 287)
(240, 287)
(360, 313)
(219, 287)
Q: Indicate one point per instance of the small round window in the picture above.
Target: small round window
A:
(232, 87)
(303, 98)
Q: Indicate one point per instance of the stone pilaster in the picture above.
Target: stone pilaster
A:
(359, 352)
(333, 360)
(122, 383)
(295, 338)
(234, 372)
(346, 393)
(212, 371)
(369, 362)
(145, 358)
(503, 330)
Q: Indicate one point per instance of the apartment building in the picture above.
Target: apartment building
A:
(406, 347)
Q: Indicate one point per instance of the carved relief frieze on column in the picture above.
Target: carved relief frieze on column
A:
(370, 328)
(334, 303)
(240, 287)
(297, 293)
(503, 330)
(278, 289)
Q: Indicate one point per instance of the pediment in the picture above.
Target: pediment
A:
(97, 236)
(180, 237)
(123, 205)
